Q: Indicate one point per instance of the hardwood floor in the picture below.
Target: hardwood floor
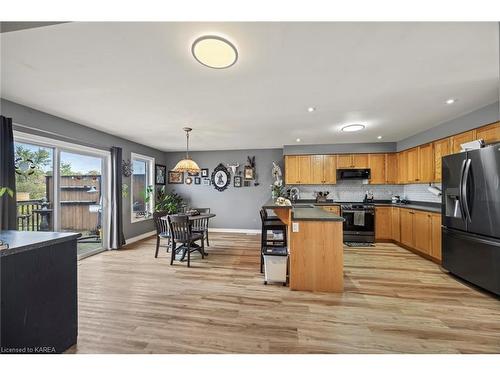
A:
(394, 302)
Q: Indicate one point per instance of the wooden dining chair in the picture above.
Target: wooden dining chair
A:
(181, 233)
(201, 225)
(162, 231)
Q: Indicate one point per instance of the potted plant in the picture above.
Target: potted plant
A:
(170, 202)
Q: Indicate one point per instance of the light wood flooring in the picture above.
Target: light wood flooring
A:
(394, 302)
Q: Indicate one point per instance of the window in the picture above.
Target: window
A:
(142, 192)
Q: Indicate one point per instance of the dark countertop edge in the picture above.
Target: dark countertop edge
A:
(13, 249)
(316, 214)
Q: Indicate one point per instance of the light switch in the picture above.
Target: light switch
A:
(295, 227)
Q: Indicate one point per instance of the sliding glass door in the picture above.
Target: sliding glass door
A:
(81, 199)
(63, 187)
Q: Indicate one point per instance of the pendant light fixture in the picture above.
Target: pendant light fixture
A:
(187, 164)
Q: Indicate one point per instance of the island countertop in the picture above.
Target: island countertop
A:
(19, 241)
(305, 212)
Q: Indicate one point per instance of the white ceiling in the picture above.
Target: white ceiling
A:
(140, 81)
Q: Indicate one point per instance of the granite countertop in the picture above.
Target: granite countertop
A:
(303, 203)
(24, 241)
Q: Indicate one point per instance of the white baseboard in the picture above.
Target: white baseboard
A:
(232, 230)
(140, 237)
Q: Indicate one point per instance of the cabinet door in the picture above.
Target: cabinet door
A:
(489, 133)
(441, 149)
(403, 167)
(383, 223)
(426, 163)
(376, 163)
(317, 175)
(344, 161)
(330, 169)
(412, 162)
(305, 175)
(291, 169)
(436, 236)
(458, 139)
(391, 168)
(422, 231)
(406, 217)
(396, 230)
(360, 161)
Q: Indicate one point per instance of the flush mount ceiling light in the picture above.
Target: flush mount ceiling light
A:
(451, 101)
(311, 109)
(187, 164)
(214, 52)
(353, 128)
(379, 137)
(297, 140)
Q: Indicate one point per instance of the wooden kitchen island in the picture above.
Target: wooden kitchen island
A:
(315, 245)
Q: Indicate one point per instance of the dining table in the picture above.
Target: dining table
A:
(192, 218)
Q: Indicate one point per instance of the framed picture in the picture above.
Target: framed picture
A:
(221, 177)
(237, 181)
(193, 174)
(189, 180)
(175, 177)
(197, 180)
(160, 174)
(204, 172)
(206, 181)
(249, 173)
(246, 183)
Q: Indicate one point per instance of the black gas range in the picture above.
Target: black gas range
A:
(359, 221)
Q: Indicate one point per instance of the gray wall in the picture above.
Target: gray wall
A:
(471, 120)
(69, 131)
(236, 208)
(339, 148)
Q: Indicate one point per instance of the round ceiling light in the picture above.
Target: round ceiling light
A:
(353, 128)
(214, 52)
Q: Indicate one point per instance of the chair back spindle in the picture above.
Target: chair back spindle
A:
(180, 227)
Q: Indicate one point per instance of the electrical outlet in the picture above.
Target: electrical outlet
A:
(295, 227)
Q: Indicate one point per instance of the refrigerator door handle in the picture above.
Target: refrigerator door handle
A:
(465, 191)
(460, 190)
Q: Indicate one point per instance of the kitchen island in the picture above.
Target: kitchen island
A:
(315, 246)
(38, 292)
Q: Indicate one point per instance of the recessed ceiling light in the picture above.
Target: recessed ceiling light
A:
(451, 101)
(311, 109)
(214, 52)
(353, 128)
(379, 137)
(297, 140)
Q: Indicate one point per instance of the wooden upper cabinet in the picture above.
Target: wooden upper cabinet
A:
(360, 161)
(426, 163)
(458, 139)
(383, 223)
(305, 175)
(391, 168)
(489, 133)
(344, 161)
(422, 231)
(395, 224)
(376, 163)
(402, 167)
(330, 169)
(291, 169)
(317, 174)
(441, 148)
(412, 164)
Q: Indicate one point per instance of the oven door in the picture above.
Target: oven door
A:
(367, 228)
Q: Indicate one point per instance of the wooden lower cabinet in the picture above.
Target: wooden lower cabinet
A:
(418, 230)
(383, 223)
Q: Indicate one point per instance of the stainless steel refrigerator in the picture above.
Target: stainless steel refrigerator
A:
(471, 216)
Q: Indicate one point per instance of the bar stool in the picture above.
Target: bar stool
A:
(270, 225)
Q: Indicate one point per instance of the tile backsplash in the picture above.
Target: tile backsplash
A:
(354, 191)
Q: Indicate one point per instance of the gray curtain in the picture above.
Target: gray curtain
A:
(117, 239)
(8, 211)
